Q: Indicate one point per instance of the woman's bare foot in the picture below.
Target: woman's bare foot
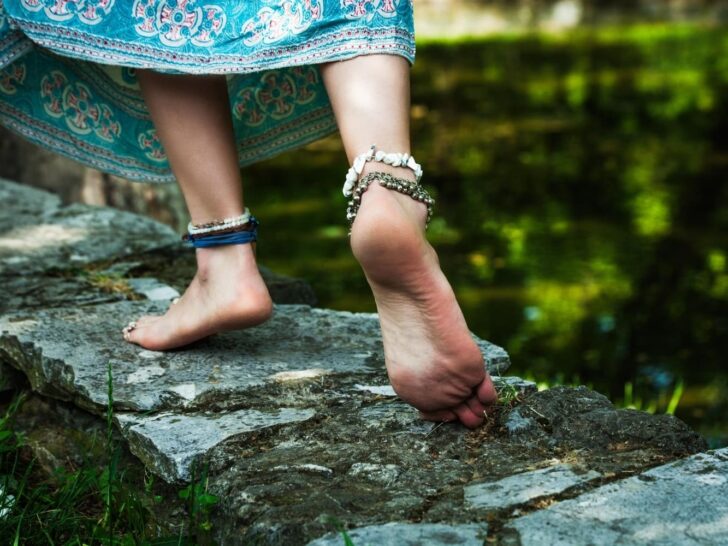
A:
(227, 293)
(432, 360)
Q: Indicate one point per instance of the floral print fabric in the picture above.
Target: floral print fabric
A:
(67, 78)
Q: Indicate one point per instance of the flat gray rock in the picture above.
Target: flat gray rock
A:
(66, 352)
(38, 234)
(508, 385)
(24, 205)
(410, 534)
(152, 289)
(171, 443)
(683, 503)
(525, 487)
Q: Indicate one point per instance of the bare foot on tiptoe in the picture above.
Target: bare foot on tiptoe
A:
(432, 360)
(227, 293)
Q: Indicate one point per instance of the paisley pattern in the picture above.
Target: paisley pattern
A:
(90, 12)
(78, 95)
(175, 22)
(76, 104)
(152, 146)
(281, 19)
(368, 9)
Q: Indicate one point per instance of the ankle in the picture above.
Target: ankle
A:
(224, 258)
(388, 228)
(399, 172)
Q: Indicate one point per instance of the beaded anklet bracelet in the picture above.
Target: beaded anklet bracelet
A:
(232, 235)
(402, 185)
(396, 159)
(219, 225)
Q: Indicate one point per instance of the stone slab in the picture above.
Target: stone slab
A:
(526, 486)
(684, 503)
(37, 291)
(38, 234)
(24, 205)
(152, 289)
(410, 534)
(65, 353)
(171, 443)
(514, 384)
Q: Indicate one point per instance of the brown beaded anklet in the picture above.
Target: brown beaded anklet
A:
(386, 180)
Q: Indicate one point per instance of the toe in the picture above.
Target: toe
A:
(442, 416)
(145, 336)
(468, 417)
(131, 330)
(485, 392)
(476, 406)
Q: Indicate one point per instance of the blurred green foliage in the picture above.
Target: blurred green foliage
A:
(582, 210)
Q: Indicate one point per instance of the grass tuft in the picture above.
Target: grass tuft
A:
(96, 504)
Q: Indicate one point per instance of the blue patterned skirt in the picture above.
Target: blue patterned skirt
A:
(67, 78)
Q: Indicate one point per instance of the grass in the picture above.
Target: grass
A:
(92, 504)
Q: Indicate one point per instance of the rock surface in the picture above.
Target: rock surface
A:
(37, 234)
(171, 443)
(527, 486)
(65, 353)
(294, 421)
(411, 534)
(684, 503)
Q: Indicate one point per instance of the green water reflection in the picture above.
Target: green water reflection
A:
(582, 207)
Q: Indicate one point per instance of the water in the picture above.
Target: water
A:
(582, 208)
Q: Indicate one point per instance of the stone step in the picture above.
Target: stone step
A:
(66, 352)
(684, 503)
(170, 443)
(526, 486)
(410, 534)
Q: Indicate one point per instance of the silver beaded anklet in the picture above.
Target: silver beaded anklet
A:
(402, 185)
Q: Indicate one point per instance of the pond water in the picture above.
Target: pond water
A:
(582, 208)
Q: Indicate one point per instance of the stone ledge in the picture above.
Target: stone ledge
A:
(65, 353)
(170, 444)
(682, 503)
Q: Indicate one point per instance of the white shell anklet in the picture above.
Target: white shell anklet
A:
(219, 225)
(396, 159)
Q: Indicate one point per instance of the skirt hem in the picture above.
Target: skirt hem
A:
(302, 131)
(336, 45)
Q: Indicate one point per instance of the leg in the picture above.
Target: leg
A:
(432, 360)
(192, 117)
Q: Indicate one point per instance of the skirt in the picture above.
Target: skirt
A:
(67, 69)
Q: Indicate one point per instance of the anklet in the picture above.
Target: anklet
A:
(219, 225)
(396, 159)
(235, 235)
(407, 187)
